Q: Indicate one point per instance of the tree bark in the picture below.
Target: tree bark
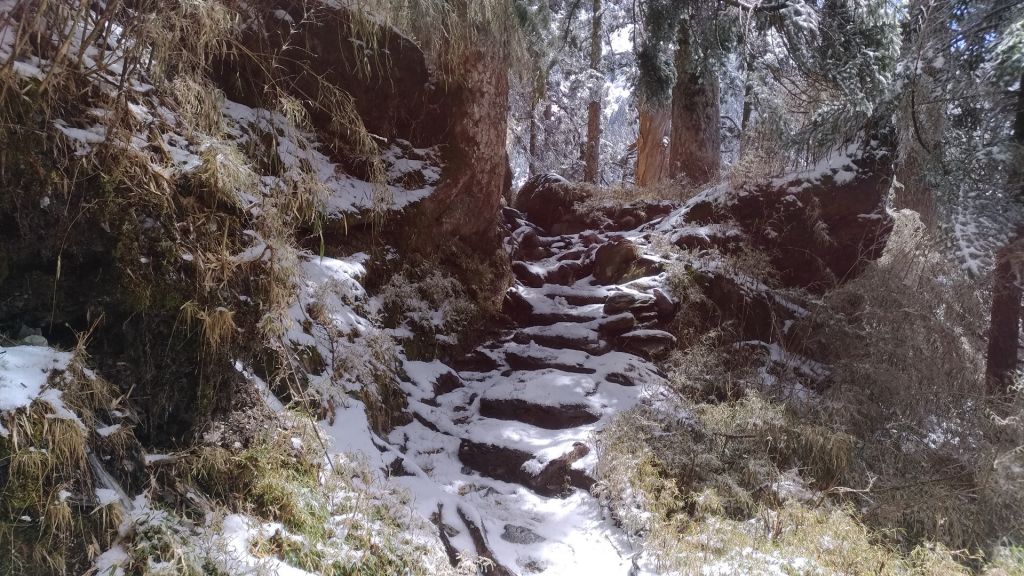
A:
(1004, 324)
(1017, 166)
(592, 153)
(466, 204)
(696, 131)
(652, 145)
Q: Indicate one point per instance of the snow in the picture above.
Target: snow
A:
(108, 430)
(111, 561)
(24, 371)
(106, 496)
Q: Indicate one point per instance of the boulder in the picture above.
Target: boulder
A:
(819, 227)
(613, 260)
(647, 343)
(622, 301)
(547, 199)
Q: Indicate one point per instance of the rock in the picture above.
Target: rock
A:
(547, 199)
(565, 273)
(559, 417)
(590, 238)
(447, 382)
(528, 274)
(726, 238)
(558, 476)
(647, 343)
(645, 266)
(528, 245)
(758, 312)
(520, 535)
(819, 227)
(516, 306)
(617, 324)
(613, 260)
(556, 479)
(665, 306)
(475, 361)
(619, 378)
(584, 341)
(574, 254)
(621, 301)
(528, 362)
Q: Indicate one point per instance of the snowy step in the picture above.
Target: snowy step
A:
(551, 417)
(647, 343)
(556, 479)
(552, 387)
(538, 310)
(535, 357)
(619, 367)
(569, 335)
(576, 295)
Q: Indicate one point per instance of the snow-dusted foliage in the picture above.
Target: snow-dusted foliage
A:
(960, 122)
(548, 121)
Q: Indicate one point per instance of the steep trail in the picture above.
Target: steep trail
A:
(501, 451)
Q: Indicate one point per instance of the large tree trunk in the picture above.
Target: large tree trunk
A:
(466, 203)
(696, 132)
(592, 153)
(652, 145)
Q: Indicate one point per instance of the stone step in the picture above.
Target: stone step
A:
(558, 417)
(557, 479)
(558, 335)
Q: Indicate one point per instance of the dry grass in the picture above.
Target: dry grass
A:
(52, 520)
(899, 456)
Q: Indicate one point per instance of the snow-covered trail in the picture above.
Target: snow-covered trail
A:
(501, 453)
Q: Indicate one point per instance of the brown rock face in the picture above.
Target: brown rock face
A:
(394, 95)
(819, 227)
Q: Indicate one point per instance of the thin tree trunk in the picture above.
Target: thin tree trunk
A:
(696, 132)
(652, 145)
(1004, 324)
(592, 153)
(534, 159)
(1017, 166)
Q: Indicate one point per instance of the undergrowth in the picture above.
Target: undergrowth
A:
(888, 459)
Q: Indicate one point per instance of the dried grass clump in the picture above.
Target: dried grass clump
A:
(694, 516)
(217, 325)
(428, 301)
(904, 341)
(447, 31)
(50, 517)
